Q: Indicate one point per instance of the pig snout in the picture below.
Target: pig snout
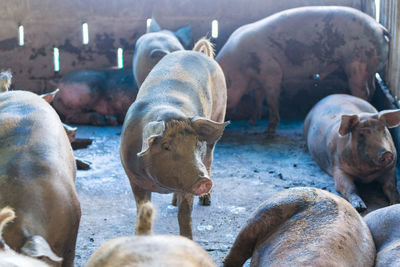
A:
(202, 186)
(385, 158)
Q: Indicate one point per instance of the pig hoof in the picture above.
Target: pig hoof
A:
(174, 200)
(358, 204)
(205, 200)
(111, 120)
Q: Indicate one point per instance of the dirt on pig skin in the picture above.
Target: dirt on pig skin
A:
(247, 169)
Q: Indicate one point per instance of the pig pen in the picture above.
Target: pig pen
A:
(248, 168)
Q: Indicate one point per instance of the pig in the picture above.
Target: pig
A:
(304, 226)
(170, 131)
(8, 257)
(300, 44)
(384, 225)
(146, 249)
(37, 175)
(350, 140)
(155, 44)
(95, 97)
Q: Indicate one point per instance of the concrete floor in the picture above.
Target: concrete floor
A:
(247, 169)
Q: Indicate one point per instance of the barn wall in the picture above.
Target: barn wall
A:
(389, 17)
(113, 24)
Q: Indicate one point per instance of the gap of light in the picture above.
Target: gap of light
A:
(377, 10)
(148, 22)
(21, 35)
(85, 33)
(214, 28)
(120, 58)
(56, 59)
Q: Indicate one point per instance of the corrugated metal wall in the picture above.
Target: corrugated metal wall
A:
(113, 24)
(390, 18)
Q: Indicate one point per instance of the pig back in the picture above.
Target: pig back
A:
(37, 171)
(188, 81)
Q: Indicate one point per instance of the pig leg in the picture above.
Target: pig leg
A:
(236, 87)
(141, 196)
(205, 199)
(357, 75)
(259, 99)
(389, 186)
(185, 206)
(271, 79)
(345, 185)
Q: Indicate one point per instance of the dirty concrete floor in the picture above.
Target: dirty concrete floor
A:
(248, 168)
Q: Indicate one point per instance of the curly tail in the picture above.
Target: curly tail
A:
(6, 216)
(5, 80)
(145, 219)
(204, 45)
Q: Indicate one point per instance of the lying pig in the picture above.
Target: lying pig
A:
(95, 97)
(349, 140)
(155, 44)
(384, 224)
(170, 131)
(146, 249)
(304, 227)
(8, 257)
(37, 174)
(302, 44)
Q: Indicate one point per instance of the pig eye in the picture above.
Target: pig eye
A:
(166, 147)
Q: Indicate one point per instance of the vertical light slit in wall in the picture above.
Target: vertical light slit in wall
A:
(85, 33)
(148, 22)
(120, 58)
(56, 54)
(214, 28)
(21, 35)
(377, 10)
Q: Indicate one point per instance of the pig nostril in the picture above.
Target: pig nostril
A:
(386, 157)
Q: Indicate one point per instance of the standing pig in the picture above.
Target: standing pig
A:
(304, 227)
(170, 131)
(301, 44)
(349, 140)
(155, 44)
(146, 249)
(96, 97)
(37, 174)
(385, 228)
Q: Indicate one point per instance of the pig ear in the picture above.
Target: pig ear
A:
(37, 247)
(390, 117)
(151, 130)
(5, 80)
(158, 53)
(50, 96)
(153, 27)
(347, 124)
(208, 130)
(184, 35)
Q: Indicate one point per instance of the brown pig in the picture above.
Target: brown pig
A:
(8, 257)
(384, 225)
(37, 174)
(350, 140)
(95, 97)
(302, 44)
(304, 226)
(146, 249)
(170, 131)
(155, 44)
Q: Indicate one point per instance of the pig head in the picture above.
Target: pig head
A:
(170, 131)
(350, 140)
(384, 224)
(37, 175)
(299, 45)
(154, 45)
(304, 227)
